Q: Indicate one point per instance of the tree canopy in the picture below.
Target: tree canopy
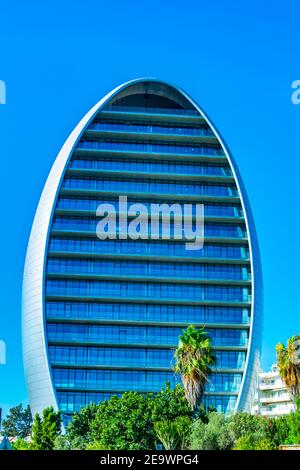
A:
(45, 429)
(18, 422)
(194, 359)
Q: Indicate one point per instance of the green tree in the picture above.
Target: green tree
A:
(95, 445)
(120, 429)
(80, 424)
(288, 365)
(253, 442)
(194, 358)
(203, 412)
(20, 444)
(125, 422)
(183, 427)
(45, 430)
(166, 433)
(170, 403)
(37, 438)
(278, 429)
(65, 442)
(250, 432)
(213, 435)
(174, 434)
(18, 422)
(241, 424)
(294, 425)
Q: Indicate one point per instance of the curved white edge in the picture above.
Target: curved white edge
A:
(35, 349)
(252, 364)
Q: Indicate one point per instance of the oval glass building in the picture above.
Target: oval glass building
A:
(102, 317)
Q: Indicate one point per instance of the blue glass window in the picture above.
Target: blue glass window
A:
(90, 203)
(147, 312)
(117, 334)
(115, 267)
(149, 166)
(150, 128)
(147, 290)
(134, 380)
(151, 147)
(89, 224)
(134, 357)
(146, 247)
(134, 185)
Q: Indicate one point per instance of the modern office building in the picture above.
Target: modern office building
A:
(272, 398)
(101, 317)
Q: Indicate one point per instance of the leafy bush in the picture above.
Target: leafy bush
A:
(278, 430)
(124, 423)
(242, 424)
(214, 435)
(20, 444)
(95, 445)
(170, 403)
(174, 434)
(66, 442)
(294, 425)
(253, 442)
(137, 421)
(127, 422)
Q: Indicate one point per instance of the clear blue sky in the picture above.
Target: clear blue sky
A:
(237, 59)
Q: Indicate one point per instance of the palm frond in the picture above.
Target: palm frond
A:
(289, 368)
(194, 359)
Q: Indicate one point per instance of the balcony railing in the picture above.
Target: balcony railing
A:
(150, 147)
(151, 129)
(276, 399)
(136, 109)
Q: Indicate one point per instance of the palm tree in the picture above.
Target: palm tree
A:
(288, 364)
(193, 360)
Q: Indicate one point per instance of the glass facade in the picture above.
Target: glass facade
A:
(80, 245)
(114, 309)
(90, 204)
(149, 166)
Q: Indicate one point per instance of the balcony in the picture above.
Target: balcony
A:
(151, 172)
(278, 385)
(176, 152)
(152, 133)
(276, 399)
(276, 411)
(153, 113)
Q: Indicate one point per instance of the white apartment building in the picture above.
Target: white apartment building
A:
(272, 398)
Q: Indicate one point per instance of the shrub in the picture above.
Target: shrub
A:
(170, 403)
(278, 430)
(215, 435)
(20, 444)
(244, 424)
(294, 425)
(254, 442)
(125, 423)
(66, 442)
(174, 434)
(95, 445)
